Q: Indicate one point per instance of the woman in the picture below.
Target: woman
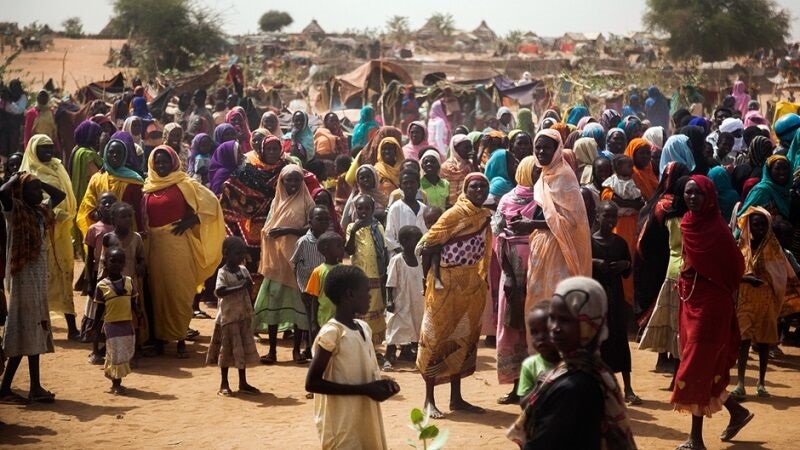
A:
(610, 118)
(513, 251)
(676, 149)
(279, 296)
(299, 142)
(697, 145)
(38, 160)
(709, 336)
(365, 128)
(759, 150)
(655, 136)
(773, 191)
(238, 119)
(560, 243)
(270, 122)
(417, 141)
(439, 131)
(520, 144)
(369, 154)
(458, 165)
(223, 133)
(739, 92)
(329, 139)
(85, 160)
(367, 183)
(390, 158)
(728, 197)
(581, 382)
(226, 159)
(505, 120)
(575, 114)
(323, 197)
(656, 107)
(585, 154)
(200, 157)
(597, 132)
(134, 126)
(616, 141)
(185, 230)
(498, 171)
(451, 324)
(525, 121)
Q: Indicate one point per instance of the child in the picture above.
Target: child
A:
(233, 344)
(27, 329)
(409, 211)
(116, 307)
(534, 367)
(405, 305)
(306, 257)
(343, 189)
(623, 186)
(344, 371)
(331, 246)
(435, 187)
(611, 262)
(94, 244)
(397, 194)
(200, 158)
(367, 248)
(431, 260)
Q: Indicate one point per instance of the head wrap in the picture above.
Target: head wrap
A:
(220, 131)
(432, 153)
(304, 136)
(243, 128)
(411, 150)
(123, 171)
(168, 129)
(731, 125)
(768, 255)
(610, 119)
(140, 108)
(500, 181)
(277, 131)
(576, 114)
(87, 133)
(728, 197)
(585, 153)
(760, 149)
(696, 144)
(437, 113)
(51, 172)
(366, 123)
(677, 149)
(655, 136)
(524, 121)
(224, 161)
(645, 179)
(386, 171)
(767, 192)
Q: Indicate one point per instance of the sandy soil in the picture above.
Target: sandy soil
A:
(72, 63)
(173, 403)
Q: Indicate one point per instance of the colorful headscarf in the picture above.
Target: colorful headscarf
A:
(576, 114)
(500, 181)
(645, 179)
(655, 136)
(195, 150)
(304, 136)
(411, 150)
(51, 172)
(366, 123)
(739, 92)
(27, 240)
(224, 161)
(219, 133)
(767, 191)
(677, 149)
(728, 197)
(609, 119)
(585, 154)
(140, 108)
(768, 255)
(244, 128)
(277, 131)
(86, 133)
(525, 121)
(595, 130)
(124, 172)
(437, 113)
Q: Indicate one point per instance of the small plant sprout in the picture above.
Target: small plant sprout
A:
(419, 423)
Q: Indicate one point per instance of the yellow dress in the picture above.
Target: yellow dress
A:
(366, 259)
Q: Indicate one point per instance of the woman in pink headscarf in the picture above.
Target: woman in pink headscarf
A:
(439, 131)
(739, 92)
(417, 140)
(238, 119)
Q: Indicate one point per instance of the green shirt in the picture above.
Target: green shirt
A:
(316, 283)
(437, 193)
(532, 368)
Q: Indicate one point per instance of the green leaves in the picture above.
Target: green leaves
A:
(417, 416)
(419, 423)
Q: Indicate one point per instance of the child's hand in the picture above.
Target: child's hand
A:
(382, 389)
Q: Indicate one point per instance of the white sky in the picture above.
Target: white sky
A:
(241, 16)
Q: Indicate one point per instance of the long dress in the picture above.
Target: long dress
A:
(366, 259)
(615, 351)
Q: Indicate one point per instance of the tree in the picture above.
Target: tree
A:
(514, 38)
(444, 23)
(73, 27)
(715, 30)
(398, 30)
(274, 20)
(168, 34)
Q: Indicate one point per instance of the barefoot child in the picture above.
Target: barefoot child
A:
(344, 369)
(233, 344)
(367, 249)
(611, 262)
(331, 246)
(115, 298)
(535, 367)
(407, 211)
(27, 330)
(405, 305)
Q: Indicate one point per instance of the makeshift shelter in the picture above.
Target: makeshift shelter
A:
(355, 88)
(484, 33)
(314, 31)
(104, 90)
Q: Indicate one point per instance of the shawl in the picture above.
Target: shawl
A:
(134, 160)
(224, 161)
(645, 179)
(437, 113)
(611, 133)
(696, 145)
(277, 131)
(570, 160)
(739, 92)
(754, 118)
(655, 210)
(609, 119)
(337, 226)
(86, 135)
(562, 129)
(195, 150)
(707, 241)
(676, 149)
(702, 123)
(732, 125)
(366, 123)
(205, 239)
(631, 125)
(655, 136)
(244, 128)
(455, 167)
(585, 154)
(501, 111)
(576, 114)
(573, 137)
(125, 172)
(220, 131)
(585, 120)
(769, 253)
(760, 149)
(411, 150)
(728, 197)
(587, 302)
(52, 173)
(26, 237)
(288, 211)
(767, 191)
(304, 136)
(657, 107)
(525, 120)
(793, 154)
(168, 129)
(595, 130)
(140, 108)
(496, 172)
(558, 193)
(385, 171)
(519, 201)
(552, 114)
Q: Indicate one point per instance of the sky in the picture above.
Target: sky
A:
(241, 16)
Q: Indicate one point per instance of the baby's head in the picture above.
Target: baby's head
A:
(348, 287)
(331, 246)
(431, 214)
(623, 167)
(540, 331)
(409, 236)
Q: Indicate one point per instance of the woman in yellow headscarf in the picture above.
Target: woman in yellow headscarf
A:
(185, 230)
(39, 161)
(390, 158)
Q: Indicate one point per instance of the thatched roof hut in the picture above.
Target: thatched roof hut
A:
(484, 33)
(313, 29)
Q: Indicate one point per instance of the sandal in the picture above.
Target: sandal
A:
(13, 399)
(42, 397)
(300, 358)
(268, 359)
(761, 391)
(732, 430)
(509, 399)
(249, 390)
(633, 399)
(689, 445)
(738, 394)
(225, 392)
(201, 315)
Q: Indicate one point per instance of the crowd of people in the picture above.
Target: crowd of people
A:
(555, 240)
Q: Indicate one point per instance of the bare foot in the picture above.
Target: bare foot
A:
(119, 390)
(433, 412)
(691, 444)
(462, 405)
(247, 389)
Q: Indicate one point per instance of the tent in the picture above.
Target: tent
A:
(353, 89)
(103, 90)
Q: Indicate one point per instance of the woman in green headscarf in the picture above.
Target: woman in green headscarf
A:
(362, 131)
(772, 192)
(525, 121)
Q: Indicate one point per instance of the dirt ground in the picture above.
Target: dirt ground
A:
(172, 403)
(71, 63)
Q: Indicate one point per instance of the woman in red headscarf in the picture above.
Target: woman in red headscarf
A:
(708, 333)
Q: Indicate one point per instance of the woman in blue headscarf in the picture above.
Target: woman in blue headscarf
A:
(657, 108)
(676, 149)
(596, 132)
(366, 124)
(140, 108)
(726, 194)
(576, 114)
(300, 139)
(498, 170)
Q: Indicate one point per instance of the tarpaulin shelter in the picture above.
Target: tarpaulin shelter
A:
(353, 89)
(102, 90)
